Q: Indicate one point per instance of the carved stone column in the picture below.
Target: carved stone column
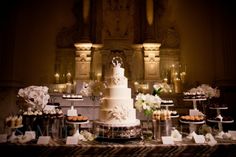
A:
(151, 61)
(83, 61)
(169, 57)
(137, 65)
(97, 61)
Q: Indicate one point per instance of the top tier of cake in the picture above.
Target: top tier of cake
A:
(117, 71)
(117, 78)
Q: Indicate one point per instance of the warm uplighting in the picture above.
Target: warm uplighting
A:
(149, 11)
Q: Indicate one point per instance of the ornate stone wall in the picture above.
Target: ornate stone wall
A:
(120, 27)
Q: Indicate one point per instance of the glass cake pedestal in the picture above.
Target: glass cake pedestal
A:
(117, 132)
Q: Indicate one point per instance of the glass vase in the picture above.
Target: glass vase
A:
(147, 129)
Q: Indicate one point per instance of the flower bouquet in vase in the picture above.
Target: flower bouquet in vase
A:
(147, 103)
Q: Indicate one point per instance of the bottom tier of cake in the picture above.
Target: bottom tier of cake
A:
(105, 131)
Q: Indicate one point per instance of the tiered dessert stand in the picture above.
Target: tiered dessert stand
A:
(195, 101)
(219, 119)
(77, 126)
(192, 127)
(167, 105)
(72, 100)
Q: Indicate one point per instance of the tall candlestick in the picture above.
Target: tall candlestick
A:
(183, 77)
(177, 85)
(172, 73)
(136, 86)
(68, 77)
(165, 80)
(57, 77)
(68, 87)
(99, 75)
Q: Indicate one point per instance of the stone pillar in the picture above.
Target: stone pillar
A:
(169, 57)
(137, 65)
(97, 61)
(83, 61)
(151, 61)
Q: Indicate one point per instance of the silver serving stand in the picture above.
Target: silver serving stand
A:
(77, 126)
(220, 122)
(192, 127)
(195, 101)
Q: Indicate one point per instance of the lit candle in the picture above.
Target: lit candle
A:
(183, 76)
(99, 75)
(68, 87)
(165, 80)
(172, 73)
(177, 85)
(136, 86)
(68, 77)
(57, 78)
(145, 88)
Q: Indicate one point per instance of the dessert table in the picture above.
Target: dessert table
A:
(140, 148)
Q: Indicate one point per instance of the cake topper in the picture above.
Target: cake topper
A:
(117, 61)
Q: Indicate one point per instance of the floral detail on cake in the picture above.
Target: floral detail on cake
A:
(117, 81)
(147, 103)
(119, 113)
(36, 96)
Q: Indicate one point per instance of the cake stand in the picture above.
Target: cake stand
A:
(72, 100)
(77, 126)
(13, 131)
(194, 101)
(220, 121)
(167, 108)
(192, 127)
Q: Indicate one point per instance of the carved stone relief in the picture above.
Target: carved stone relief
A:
(118, 19)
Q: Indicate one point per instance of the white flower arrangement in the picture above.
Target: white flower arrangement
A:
(207, 90)
(36, 96)
(161, 87)
(147, 103)
(92, 88)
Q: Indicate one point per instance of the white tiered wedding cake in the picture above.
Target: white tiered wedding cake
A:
(117, 115)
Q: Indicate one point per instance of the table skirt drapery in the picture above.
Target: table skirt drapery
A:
(130, 149)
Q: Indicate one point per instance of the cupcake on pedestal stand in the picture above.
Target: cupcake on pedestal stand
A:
(220, 119)
(72, 115)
